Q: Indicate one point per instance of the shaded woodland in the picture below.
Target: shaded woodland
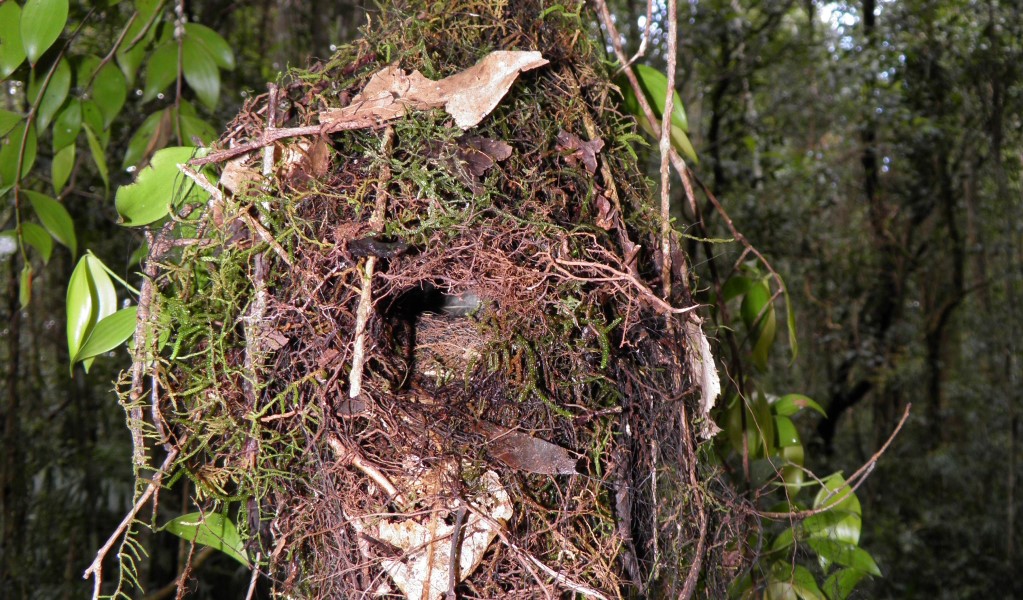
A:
(871, 151)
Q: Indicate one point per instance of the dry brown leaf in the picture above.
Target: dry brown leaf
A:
(527, 453)
(468, 96)
(578, 150)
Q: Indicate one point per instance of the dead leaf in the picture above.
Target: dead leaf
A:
(701, 363)
(468, 96)
(469, 159)
(579, 150)
(605, 213)
(527, 453)
(306, 161)
(239, 178)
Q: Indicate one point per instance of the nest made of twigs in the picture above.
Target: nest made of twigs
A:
(401, 348)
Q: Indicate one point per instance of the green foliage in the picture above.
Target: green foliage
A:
(159, 188)
(213, 530)
(655, 89)
(760, 432)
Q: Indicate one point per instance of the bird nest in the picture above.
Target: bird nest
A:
(423, 325)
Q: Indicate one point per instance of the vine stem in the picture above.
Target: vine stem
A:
(851, 484)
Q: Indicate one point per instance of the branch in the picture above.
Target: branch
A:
(851, 484)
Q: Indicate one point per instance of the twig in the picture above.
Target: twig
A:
(269, 137)
(559, 578)
(659, 304)
(366, 296)
(850, 487)
(693, 576)
(665, 149)
(349, 455)
(95, 569)
(456, 546)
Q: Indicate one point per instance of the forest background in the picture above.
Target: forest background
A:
(871, 150)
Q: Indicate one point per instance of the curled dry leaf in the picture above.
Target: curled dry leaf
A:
(527, 453)
(468, 96)
(578, 150)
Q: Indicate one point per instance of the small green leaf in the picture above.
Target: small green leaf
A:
(67, 125)
(54, 95)
(25, 286)
(213, 530)
(805, 585)
(9, 153)
(835, 493)
(109, 90)
(91, 297)
(37, 237)
(148, 138)
(735, 286)
(792, 473)
(790, 404)
(41, 24)
(201, 72)
(92, 117)
(763, 421)
(655, 87)
(110, 333)
(784, 539)
(99, 157)
(790, 322)
(158, 187)
(129, 58)
(787, 434)
(834, 524)
(759, 315)
(161, 70)
(193, 127)
(8, 120)
(842, 553)
(60, 169)
(215, 45)
(12, 49)
(55, 219)
(840, 584)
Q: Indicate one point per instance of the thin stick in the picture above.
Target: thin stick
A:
(850, 487)
(366, 296)
(665, 148)
(95, 569)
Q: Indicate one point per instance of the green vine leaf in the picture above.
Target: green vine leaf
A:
(55, 219)
(213, 530)
(216, 46)
(161, 70)
(36, 237)
(54, 95)
(201, 72)
(41, 24)
(60, 169)
(109, 90)
(99, 157)
(12, 48)
(159, 187)
(109, 333)
(8, 120)
(9, 153)
(68, 125)
(129, 58)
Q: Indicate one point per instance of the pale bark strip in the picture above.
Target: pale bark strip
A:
(366, 296)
